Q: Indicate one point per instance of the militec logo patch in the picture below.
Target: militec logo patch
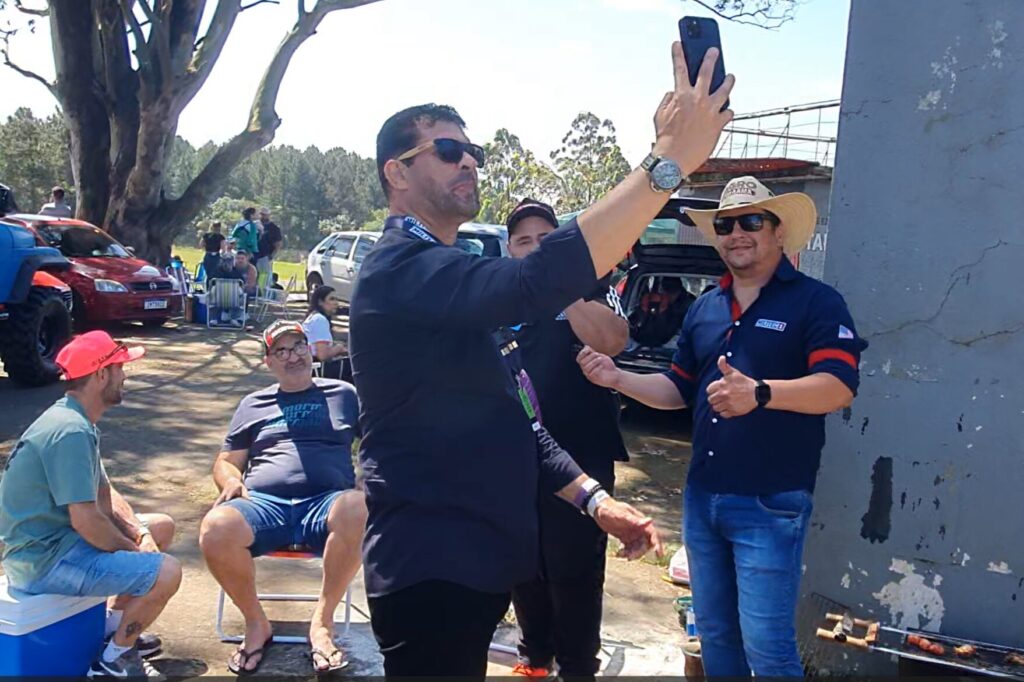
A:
(774, 325)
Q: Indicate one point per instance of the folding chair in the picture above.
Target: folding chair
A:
(268, 297)
(225, 298)
(287, 553)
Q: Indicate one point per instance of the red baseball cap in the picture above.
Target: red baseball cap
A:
(92, 351)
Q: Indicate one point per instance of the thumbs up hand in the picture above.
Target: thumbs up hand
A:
(733, 394)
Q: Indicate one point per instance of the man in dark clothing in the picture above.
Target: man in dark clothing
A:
(559, 611)
(761, 360)
(453, 460)
(269, 243)
(213, 245)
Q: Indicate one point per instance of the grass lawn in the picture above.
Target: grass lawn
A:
(192, 257)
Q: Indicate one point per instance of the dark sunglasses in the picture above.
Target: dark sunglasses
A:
(448, 150)
(752, 222)
(117, 349)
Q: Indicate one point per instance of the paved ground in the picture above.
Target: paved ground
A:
(158, 448)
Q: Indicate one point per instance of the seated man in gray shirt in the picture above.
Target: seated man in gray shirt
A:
(286, 479)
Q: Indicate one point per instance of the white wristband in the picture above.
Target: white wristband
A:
(599, 497)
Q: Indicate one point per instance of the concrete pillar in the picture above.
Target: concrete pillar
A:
(920, 502)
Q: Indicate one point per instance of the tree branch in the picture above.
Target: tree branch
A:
(5, 51)
(259, 2)
(760, 17)
(142, 51)
(263, 120)
(30, 10)
(159, 36)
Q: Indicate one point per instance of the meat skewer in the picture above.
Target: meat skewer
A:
(965, 651)
(926, 645)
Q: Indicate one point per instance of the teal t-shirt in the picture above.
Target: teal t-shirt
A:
(55, 463)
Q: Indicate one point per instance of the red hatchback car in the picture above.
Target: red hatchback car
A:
(108, 282)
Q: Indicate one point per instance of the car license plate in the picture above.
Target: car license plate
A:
(155, 304)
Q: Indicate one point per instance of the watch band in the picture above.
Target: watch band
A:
(597, 498)
(762, 393)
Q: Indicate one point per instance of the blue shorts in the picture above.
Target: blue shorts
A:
(85, 571)
(279, 522)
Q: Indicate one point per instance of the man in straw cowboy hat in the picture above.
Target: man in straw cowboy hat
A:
(761, 359)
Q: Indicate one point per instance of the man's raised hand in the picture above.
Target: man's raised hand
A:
(690, 119)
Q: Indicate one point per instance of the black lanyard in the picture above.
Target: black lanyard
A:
(412, 226)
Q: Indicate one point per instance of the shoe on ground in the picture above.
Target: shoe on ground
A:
(524, 670)
(149, 645)
(129, 665)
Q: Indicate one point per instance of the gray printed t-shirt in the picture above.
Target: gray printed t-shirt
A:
(300, 444)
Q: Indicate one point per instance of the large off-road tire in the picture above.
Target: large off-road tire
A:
(32, 336)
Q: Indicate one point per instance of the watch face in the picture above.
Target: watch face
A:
(666, 175)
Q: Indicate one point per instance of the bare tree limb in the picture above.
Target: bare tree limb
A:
(760, 16)
(142, 51)
(45, 12)
(259, 2)
(5, 51)
(263, 119)
(160, 38)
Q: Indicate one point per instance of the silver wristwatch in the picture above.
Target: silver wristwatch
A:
(666, 175)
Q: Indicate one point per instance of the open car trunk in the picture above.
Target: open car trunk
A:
(663, 280)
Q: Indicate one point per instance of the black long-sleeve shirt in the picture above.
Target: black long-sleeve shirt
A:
(451, 462)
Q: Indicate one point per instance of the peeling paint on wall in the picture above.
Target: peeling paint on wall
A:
(911, 602)
(876, 523)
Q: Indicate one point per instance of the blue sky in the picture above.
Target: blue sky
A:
(529, 66)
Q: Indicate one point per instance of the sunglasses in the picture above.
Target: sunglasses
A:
(448, 150)
(752, 222)
(117, 349)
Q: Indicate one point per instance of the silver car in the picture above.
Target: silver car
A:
(336, 260)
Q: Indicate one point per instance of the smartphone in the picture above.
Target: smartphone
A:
(698, 35)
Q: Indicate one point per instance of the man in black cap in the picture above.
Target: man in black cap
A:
(559, 611)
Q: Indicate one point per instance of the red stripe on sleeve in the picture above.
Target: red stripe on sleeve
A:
(681, 372)
(831, 354)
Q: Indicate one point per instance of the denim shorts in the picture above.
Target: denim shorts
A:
(85, 571)
(279, 522)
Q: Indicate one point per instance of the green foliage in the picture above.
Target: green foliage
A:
(512, 173)
(589, 162)
(34, 158)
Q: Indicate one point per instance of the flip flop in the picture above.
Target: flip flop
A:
(244, 657)
(331, 669)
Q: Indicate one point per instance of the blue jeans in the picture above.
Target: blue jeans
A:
(85, 571)
(745, 566)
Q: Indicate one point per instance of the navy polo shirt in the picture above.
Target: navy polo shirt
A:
(797, 326)
(451, 463)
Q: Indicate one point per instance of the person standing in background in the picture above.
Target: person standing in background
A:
(269, 243)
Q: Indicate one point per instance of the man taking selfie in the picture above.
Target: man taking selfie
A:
(450, 454)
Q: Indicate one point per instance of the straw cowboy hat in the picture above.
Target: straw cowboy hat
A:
(796, 211)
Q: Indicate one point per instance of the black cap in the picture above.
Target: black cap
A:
(531, 207)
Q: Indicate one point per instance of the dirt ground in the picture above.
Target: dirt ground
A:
(158, 448)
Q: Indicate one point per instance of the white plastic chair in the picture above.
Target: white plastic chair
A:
(268, 297)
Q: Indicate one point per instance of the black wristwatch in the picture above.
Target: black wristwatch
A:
(762, 393)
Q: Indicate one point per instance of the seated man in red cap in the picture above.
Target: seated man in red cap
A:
(66, 531)
(286, 479)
